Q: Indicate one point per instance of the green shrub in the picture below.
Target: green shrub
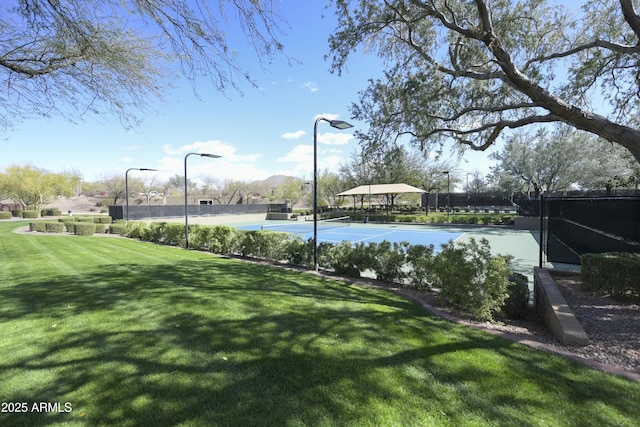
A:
(5, 215)
(613, 273)
(297, 251)
(224, 239)
(30, 214)
(420, 262)
(54, 227)
(84, 228)
(118, 229)
(471, 279)
(389, 261)
(516, 306)
(102, 219)
(17, 213)
(37, 226)
(339, 258)
(101, 228)
(134, 229)
(262, 244)
(50, 212)
(220, 239)
(175, 233)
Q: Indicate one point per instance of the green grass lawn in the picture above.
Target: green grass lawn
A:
(132, 333)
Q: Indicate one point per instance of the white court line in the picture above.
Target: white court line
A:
(374, 236)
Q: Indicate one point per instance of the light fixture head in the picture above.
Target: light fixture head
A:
(340, 124)
(213, 156)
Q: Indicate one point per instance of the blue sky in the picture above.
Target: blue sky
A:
(260, 133)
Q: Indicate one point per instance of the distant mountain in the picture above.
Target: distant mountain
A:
(275, 180)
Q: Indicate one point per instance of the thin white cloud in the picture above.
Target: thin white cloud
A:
(299, 154)
(124, 160)
(294, 135)
(231, 164)
(332, 138)
(313, 88)
(328, 116)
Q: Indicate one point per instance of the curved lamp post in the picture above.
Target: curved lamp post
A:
(186, 200)
(126, 185)
(338, 124)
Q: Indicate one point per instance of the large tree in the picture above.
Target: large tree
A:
(33, 187)
(469, 70)
(75, 56)
(547, 161)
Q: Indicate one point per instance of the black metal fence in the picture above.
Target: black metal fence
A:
(579, 225)
(165, 211)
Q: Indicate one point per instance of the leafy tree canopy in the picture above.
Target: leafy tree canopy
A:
(33, 187)
(470, 70)
(77, 56)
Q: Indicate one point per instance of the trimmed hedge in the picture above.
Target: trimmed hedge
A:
(37, 226)
(30, 214)
(84, 228)
(101, 228)
(5, 215)
(17, 213)
(118, 229)
(50, 212)
(613, 273)
(54, 227)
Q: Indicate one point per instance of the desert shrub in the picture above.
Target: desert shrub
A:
(175, 233)
(420, 261)
(389, 260)
(133, 229)
(54, 227)
(262, 244)
(37, 226)
(516, 306)
(613, 273)
(471, 279)
(297, 251)
(340, 258)
(157, 232)
(220, 239)
(84, 228)
(5, 215)
(30, 214)
(118, 229)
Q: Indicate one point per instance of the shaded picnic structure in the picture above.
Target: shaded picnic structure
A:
(391, 191)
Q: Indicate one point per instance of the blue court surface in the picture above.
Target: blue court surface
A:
(356, 233)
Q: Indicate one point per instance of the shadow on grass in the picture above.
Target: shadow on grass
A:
(219, 342)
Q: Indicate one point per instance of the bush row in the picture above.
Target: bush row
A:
(436, 219)
(5, 215)
(77, 228)
(468, 276)
(613, 273)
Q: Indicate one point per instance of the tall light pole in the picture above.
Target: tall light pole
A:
(126, 185)
(186, 197)
(338, 124)
(448, 193)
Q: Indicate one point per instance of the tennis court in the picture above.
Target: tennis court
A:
(340, 229)
(522, 245)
